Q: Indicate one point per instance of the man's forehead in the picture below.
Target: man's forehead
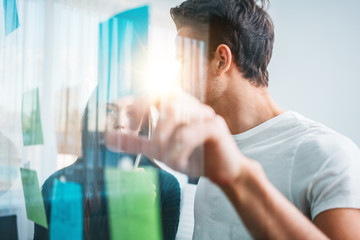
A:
(190, 33)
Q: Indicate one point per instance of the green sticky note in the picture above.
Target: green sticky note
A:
(133, 207)
(35, 210)
(31, 121)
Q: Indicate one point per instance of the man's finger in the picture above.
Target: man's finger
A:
(185, 142)
(123, 142)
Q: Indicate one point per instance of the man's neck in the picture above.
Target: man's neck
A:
(244, 106)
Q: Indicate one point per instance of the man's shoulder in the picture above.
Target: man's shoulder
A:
(295, 121)
(313, 132)
(313, 139)
(325, 169)
(322, 143)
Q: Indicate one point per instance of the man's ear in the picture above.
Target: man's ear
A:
(222, 59)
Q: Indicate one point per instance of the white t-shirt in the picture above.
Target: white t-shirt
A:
(313, 166)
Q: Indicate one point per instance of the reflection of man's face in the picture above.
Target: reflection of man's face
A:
(121, 116)
(191, 51)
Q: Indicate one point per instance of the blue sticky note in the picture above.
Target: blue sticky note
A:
(11, 18)
(123, 51)
(66, 220)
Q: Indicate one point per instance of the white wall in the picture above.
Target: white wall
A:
(316, 61)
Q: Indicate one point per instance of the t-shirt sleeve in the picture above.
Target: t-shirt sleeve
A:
(326, 174)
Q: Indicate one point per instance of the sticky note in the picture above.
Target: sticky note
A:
(31, 120)
(11, 18)
(66, 220)
(123, 54)
(35, 210)
(133, 208)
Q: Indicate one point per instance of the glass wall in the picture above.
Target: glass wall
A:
(74, 75)
(70, 74)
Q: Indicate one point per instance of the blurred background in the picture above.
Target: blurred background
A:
(316, 57)
(54, 50)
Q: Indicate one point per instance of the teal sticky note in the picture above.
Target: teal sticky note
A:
(66, 220)
(35, 210)
(123, 53)
(31, 120)
(11, 17)
(133, 207)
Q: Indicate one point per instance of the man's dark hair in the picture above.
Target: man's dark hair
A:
(243, 25)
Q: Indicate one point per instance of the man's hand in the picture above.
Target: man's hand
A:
(189, 137)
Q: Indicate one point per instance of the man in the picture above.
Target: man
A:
(304, 179)
(311, 165)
